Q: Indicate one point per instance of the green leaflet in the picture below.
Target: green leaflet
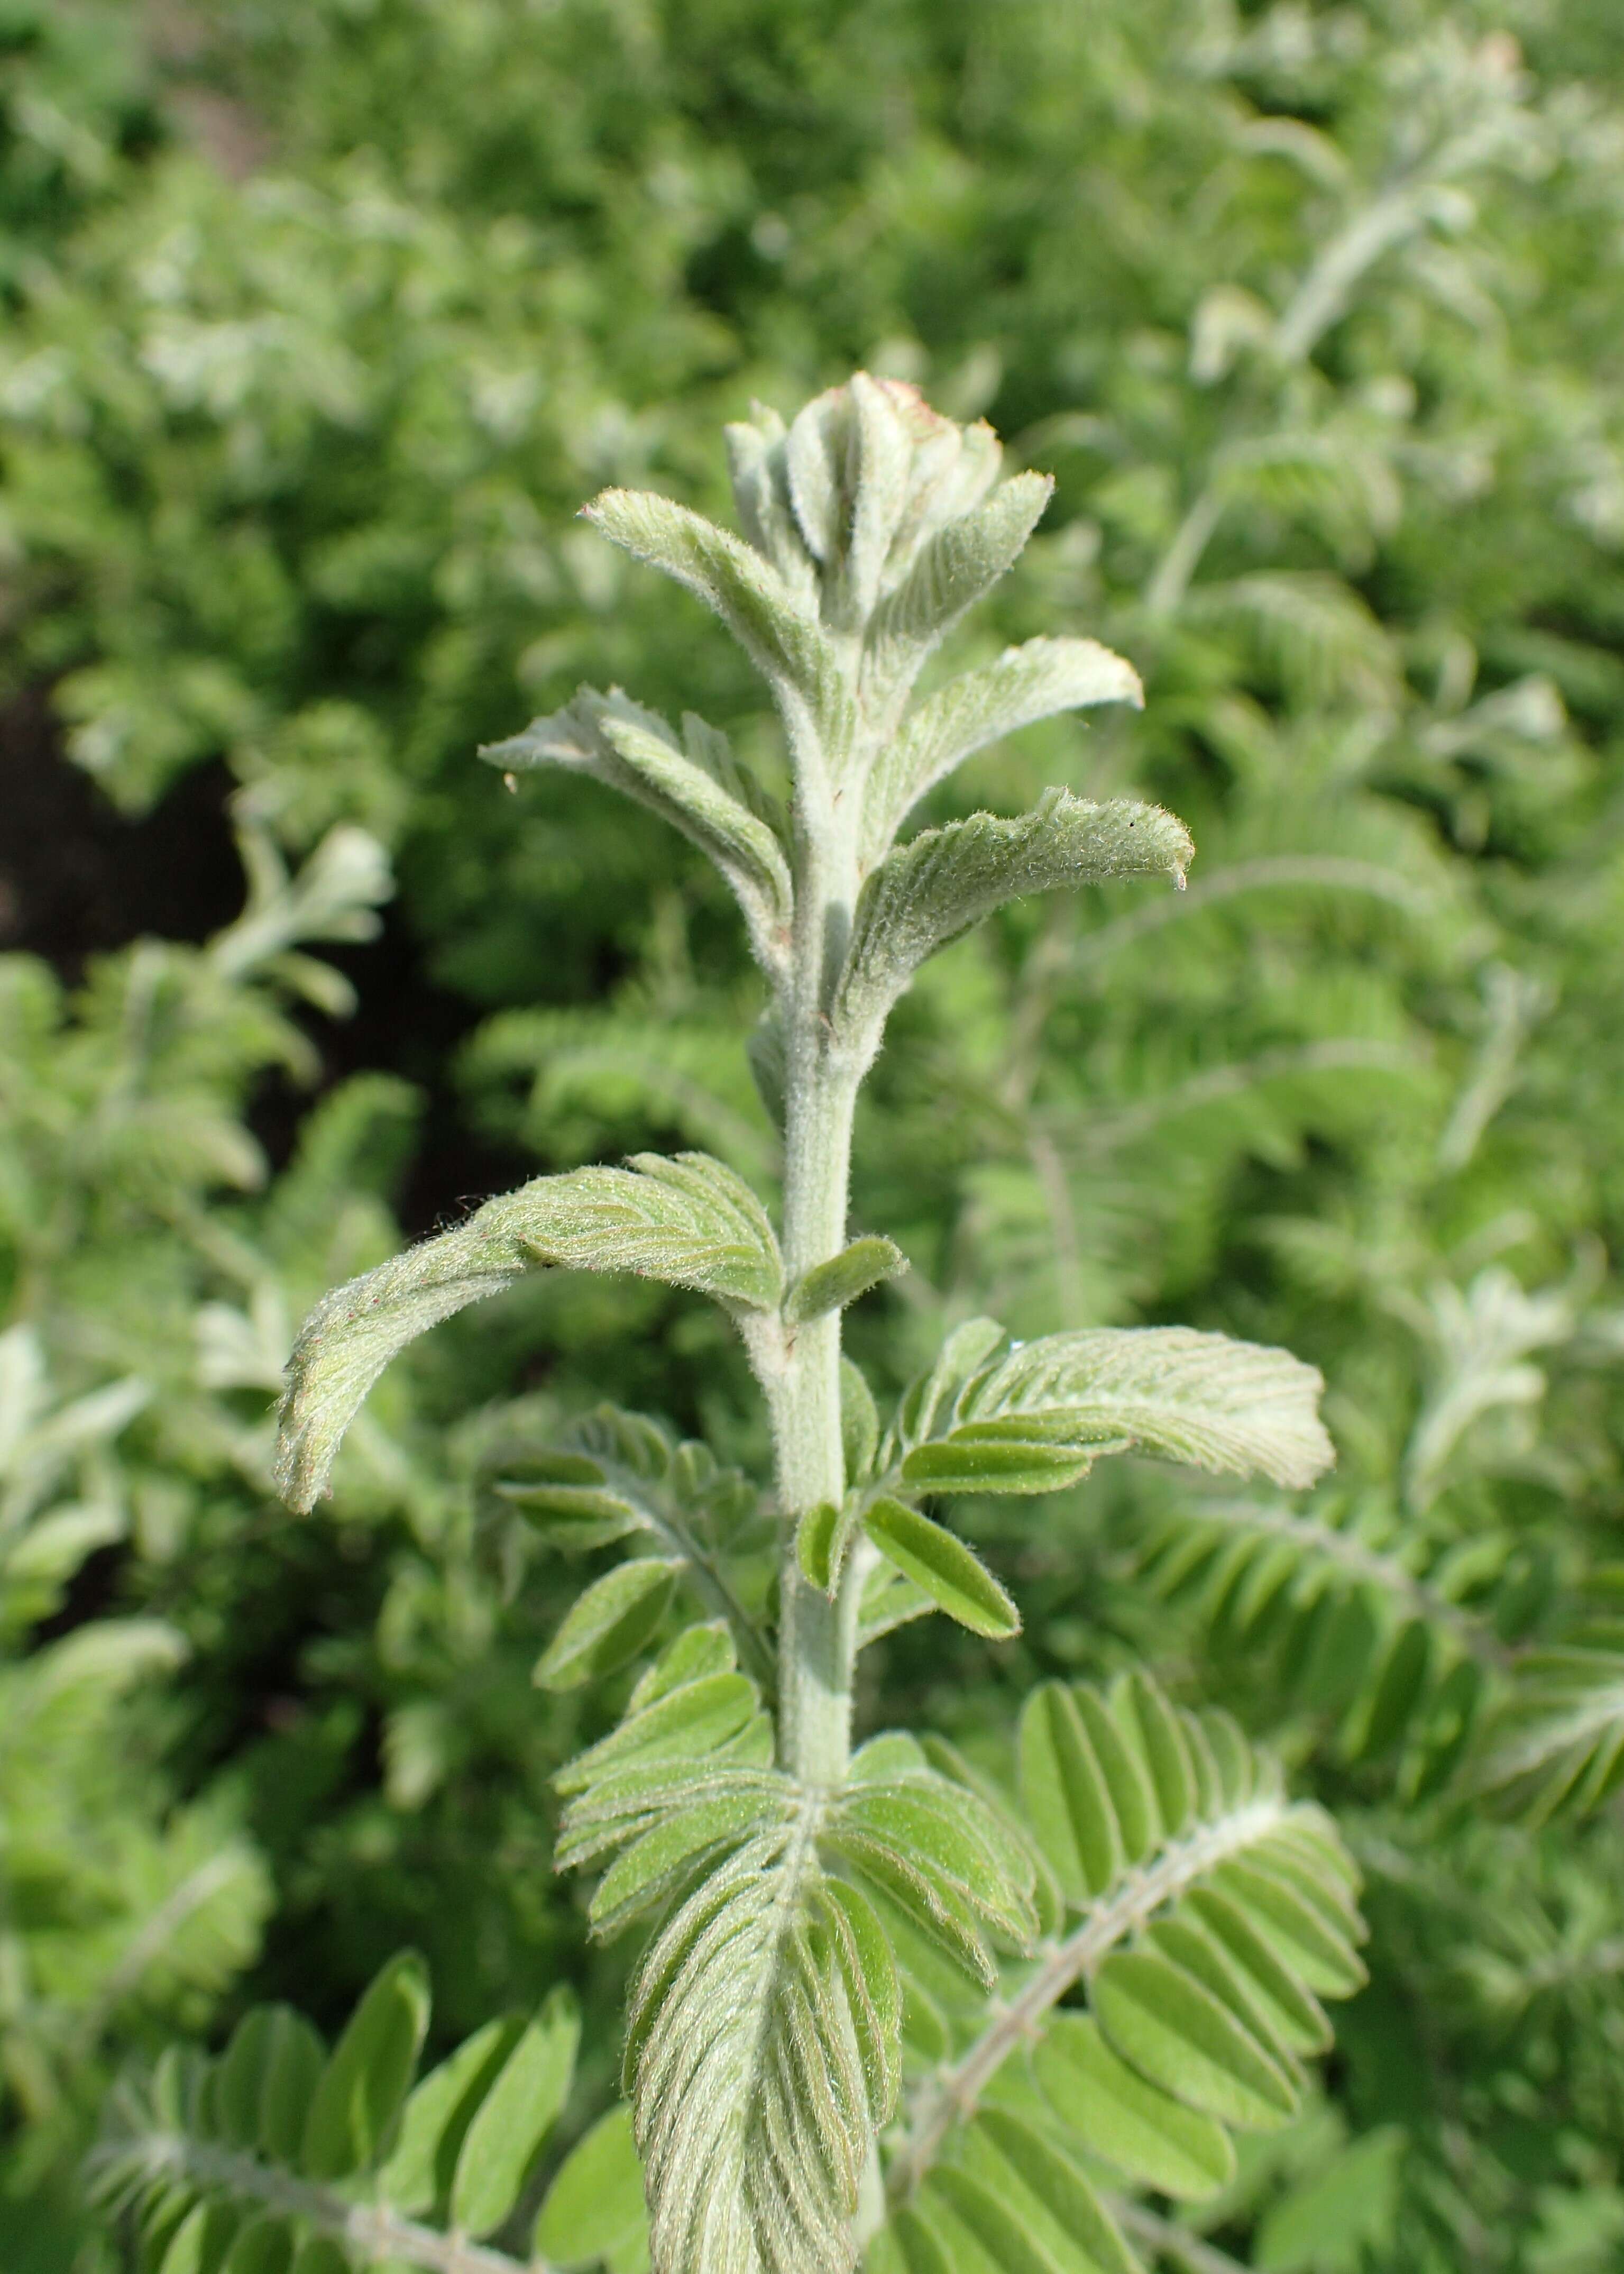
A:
(1289, 2008)
(693, 783)
(695, 1718)
(995, 1458)
(1011, 2226)
(1064, 1792)
(434, 2122)
(927, 891)
(1051, 2200)
(292, 2057)
(1153, 2139)
(821, 1537)
(661, 1860)
(860, 1425)
(1173, 2031)
(517, 2114)
(360, 2091)
(318, 2253)
(955, 565)
(594, 2208)
(611, 1622)
(952, 1837)
(200, 2241)
(263, 2247)
(1025, 684)
(775, 628)
(240, 2076)
(1315, 1937)
(688, 1221)
(1185, 1943)
(831, 1286)
(954, 1577)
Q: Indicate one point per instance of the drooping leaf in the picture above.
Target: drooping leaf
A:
(688, 1221)
(1204, 1398)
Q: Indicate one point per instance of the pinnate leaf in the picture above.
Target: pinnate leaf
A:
(753, 2100)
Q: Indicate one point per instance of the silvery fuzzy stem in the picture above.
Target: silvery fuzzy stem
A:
(817, 1638)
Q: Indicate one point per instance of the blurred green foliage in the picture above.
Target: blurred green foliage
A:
(322, 319)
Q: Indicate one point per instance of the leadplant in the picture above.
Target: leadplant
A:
(858, 2025)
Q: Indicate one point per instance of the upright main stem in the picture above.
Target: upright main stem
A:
(817, 1636)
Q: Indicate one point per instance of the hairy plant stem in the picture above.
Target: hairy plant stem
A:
(817, 1638)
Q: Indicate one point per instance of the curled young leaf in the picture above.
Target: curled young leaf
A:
(772, 621)
(693, 784)
(930, 890)
(1023, 685)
